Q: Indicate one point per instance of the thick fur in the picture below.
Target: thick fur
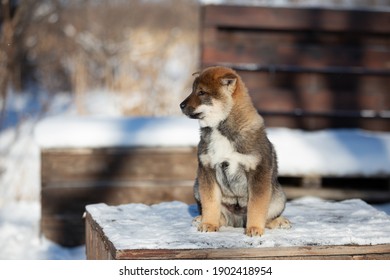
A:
(236, 183)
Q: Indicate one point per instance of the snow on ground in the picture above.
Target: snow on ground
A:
(19, 161)
(19, 164)
(20, 238)
(315, 222)
(20, 182)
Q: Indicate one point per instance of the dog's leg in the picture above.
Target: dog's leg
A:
(210, 196)
(258, 204)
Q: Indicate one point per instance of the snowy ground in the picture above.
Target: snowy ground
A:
(19, 181)
(19, 163)
(20, 239)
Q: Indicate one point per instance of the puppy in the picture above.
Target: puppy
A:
(236, 182)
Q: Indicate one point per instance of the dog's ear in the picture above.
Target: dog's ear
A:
(196, 74)
(229, 80)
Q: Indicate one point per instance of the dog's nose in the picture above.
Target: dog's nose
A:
(183, 105)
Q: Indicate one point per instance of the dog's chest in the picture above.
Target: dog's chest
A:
(229, 165)
(219, 149)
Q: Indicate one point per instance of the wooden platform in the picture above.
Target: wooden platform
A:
(100, 246)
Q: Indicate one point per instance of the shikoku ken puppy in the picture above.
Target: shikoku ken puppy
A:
(236, 182)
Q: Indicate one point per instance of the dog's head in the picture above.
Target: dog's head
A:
(211, 99)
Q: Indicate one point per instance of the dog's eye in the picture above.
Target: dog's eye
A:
(201, 93)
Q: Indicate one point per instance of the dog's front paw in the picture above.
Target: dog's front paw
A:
(254, 231)
(206, 227)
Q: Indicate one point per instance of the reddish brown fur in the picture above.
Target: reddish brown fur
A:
(237, 175)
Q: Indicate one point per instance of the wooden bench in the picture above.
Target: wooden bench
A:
(73, 178)
(121, 233)
(307, 68)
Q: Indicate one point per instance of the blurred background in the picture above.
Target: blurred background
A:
(136, 55)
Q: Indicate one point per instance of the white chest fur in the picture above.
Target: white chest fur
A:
(229, 166)
(220, 150)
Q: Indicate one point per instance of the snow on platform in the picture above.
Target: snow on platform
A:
(343, 152)
(315, 222)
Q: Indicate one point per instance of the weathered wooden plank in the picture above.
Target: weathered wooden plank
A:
(289, 92)
(73, 197)
(309, 91)
(330, 20)
(100, 247)
(334, 91)
(97, 245)
(107, 164)
(302, 253)
(298, 51)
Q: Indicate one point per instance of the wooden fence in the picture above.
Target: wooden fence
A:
(304, 67)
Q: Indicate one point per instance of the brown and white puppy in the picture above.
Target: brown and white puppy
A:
(236, 183)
